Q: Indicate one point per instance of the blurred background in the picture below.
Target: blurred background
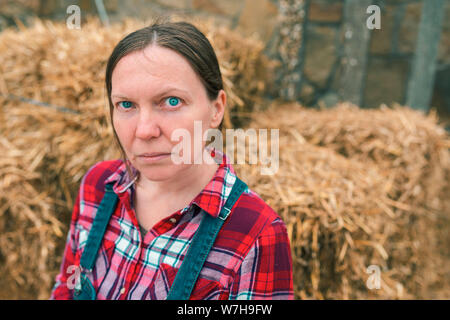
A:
(359, 89)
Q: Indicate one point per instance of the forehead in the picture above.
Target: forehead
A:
(154, 67)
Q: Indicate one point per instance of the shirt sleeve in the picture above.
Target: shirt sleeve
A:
(266, 272)
(69, 271)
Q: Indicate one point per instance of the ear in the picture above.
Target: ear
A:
(218, 109)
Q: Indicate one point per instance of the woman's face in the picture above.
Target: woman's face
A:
(154, 92)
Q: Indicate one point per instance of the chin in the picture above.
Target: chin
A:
(159, 173)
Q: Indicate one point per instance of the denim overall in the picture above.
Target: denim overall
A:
(192, 263)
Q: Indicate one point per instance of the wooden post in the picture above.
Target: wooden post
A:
(356, 38)
(421, 80)
(288, 47)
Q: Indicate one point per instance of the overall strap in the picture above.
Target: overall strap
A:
(95, 237)
(200, 246)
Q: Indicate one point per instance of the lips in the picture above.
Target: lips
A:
(152, 157)
(153, 154)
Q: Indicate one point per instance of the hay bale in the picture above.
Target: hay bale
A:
(359, 188)
(329, 204)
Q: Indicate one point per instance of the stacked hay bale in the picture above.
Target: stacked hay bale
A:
(359, 188)
(47, 147)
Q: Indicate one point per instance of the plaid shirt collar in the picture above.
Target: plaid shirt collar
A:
(211, 199)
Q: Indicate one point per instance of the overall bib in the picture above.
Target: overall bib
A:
(192, 263)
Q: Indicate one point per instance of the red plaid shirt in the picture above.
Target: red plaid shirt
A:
(251, 258)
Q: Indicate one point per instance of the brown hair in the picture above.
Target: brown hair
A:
(182, 37)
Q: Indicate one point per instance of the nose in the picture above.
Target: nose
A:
(147, 125)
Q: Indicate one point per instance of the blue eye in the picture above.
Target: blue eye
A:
(173, 101)
(126, 104)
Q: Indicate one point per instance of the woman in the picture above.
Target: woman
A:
(147, 227)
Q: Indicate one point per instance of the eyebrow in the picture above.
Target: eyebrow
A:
(165, 91)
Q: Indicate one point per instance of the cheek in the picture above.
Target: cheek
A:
(196, 123)
(123, 130)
